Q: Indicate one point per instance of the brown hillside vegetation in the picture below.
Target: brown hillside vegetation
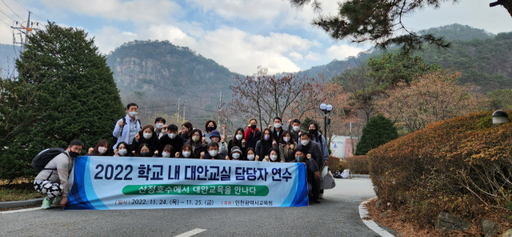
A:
(462, 166)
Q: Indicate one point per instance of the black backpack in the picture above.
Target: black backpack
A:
(45, 156)
(124, 123)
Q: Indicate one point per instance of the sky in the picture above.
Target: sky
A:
(238, 34)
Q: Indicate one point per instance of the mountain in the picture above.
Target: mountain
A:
(459, 32)
(164, 75)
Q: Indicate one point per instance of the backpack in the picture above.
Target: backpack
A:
(124, 123)
(45, 156)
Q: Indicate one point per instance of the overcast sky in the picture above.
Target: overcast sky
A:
(238, 34)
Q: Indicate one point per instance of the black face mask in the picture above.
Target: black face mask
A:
(145, 154)
(253, 127)
(312, 131)
(209, 129)
(73, 154)
(299, 158)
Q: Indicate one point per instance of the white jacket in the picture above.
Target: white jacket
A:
(126, 130)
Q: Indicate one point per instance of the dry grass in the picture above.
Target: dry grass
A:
(403, 226)
(18, 190)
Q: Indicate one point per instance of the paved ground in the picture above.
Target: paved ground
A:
(337, 215)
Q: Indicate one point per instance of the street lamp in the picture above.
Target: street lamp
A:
(326, 109)
(499, 117)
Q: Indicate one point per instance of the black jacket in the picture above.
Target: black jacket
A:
(274, 134)
(153, 143)
(252, 139)
(263, 148)
(198, 149)
(316, 153)
(217, 157)
(295, 135)
(176, 143)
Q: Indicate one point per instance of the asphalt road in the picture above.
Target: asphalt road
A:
(337, 215)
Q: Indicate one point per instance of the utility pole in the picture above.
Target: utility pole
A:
(184, 110)
(179, 101)
(220, 108)
(26, 30)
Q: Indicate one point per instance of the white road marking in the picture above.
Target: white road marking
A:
(21, 210)
(363, 213)
(191, 233)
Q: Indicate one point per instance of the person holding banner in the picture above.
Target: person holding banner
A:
(100, 149)
(313, 173)
(52, 181)
(251, 154)
(167, 151)
(123, 150)
(273, 155)
(186, 152)
(312, 149)
(127, 127)
(213, 152)
(144, 150)
(252, 134)
(221, 142)
(172, 139)
(236, 154)
(198, 148)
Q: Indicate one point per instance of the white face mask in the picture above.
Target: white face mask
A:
(133, 113)
(304, 142)
(195, 138)
(273, 157)
(296, 128)
(286, 139)
(215, 139)
(166, 154)
(171, 135)
(186, 154)
(123, 152)
(159, 125)
(250, 157)
(239, 137)
(148, 135)
(213, 153)
(236, 156)
(102, 150)
(277, 125)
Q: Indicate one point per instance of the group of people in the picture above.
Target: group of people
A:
(272, 144)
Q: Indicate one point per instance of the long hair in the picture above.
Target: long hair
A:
(102, 142)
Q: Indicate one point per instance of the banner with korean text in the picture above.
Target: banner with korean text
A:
(106, 183)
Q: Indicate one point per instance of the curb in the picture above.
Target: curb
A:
(366, 176)
(363, 213)
(13, 204)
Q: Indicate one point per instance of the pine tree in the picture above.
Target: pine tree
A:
(76, 95)
(378, 131)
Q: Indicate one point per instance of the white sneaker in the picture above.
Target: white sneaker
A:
(46, 204)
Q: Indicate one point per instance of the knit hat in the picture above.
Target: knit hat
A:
(235, 149)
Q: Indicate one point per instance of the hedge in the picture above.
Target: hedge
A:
(462, 165)
(358, 164)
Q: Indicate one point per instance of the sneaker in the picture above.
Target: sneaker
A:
(46, 204)
(56, 202)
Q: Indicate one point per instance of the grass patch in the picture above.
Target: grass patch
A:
(18, 190)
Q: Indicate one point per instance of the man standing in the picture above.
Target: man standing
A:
(160, 127)
(278, 129)
(312, 150)
(294, 129)
(127, 127)
(53, 179)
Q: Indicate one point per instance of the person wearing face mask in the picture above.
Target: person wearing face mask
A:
(250, 154)
(312, 172)
(213, 152)
(196, 142)
(236, 154)
(294, 128)
(223, 148)
(273, 156)
(52, 181)
(209, 127)
(168, 151)
(127, 127)
(277, 132)
(146, 135)
(286, 147)
(313, 150)
(320, 139)
(264, 145)
(123, 150)
(160, 127)
(171, 138)
(144, 150)
(252, 134)
(186, 152)
(238, 140)
(100, 149)
(186, 131)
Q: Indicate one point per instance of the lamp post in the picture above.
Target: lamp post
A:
(499, 117)
(326, 109)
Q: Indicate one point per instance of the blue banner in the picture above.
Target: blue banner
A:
(106, 183)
